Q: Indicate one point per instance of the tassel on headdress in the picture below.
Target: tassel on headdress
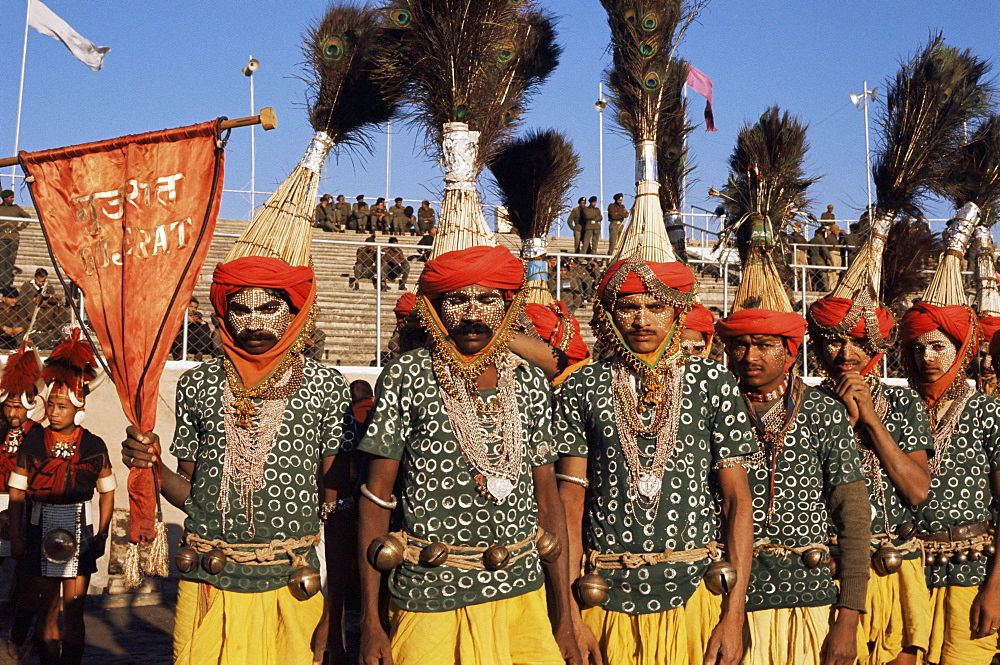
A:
(73, 365)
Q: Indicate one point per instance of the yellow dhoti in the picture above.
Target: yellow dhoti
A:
(513, 631)
(214, 627)
(951, 640)
(786, 635)
(898, 615)
(674, 637)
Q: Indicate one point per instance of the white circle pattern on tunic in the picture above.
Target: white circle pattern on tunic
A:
(438, 499)
(818, 453)
(287, 506)
(961, 493)
(687, 516)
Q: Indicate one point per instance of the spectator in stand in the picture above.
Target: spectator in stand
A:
(379, 216)
(592, 227)
(410, 220)
(359, 215)
(35, 290)
(341, 214)
(820, 255)
(617, 212)
(52, 317)
(200, 337)
(851, 243)
(426, 217)
(571, 289)
(427, 241)
(315, 344)
(798, 245)
(576, 222)
(397, 217)
(364, 264)
(394, 265)
(553, 273)
(323, 217)
(10, 235)
(12, 319)
(920, 224)
(828, 215)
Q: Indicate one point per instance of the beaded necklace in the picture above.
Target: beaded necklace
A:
(15, 435)
(646, 482)
(489, 432)
(64, 445)
(942, 429)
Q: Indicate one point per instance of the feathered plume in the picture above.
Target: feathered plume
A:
(72, 364)
(22, 373)
(533, 177)
(766, 189)
(346, 98)
(471, 61)
(907, 252)
(971, 172)
(921, 119)
(671, 150)
(467, 68)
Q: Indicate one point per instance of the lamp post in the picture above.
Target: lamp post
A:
(600, 105)
(248, 71)
(858, 100)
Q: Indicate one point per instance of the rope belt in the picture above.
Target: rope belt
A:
(629, 560)
(785, 550)
(948, 546)
(884, 539)
(257, 554)
(464, 557)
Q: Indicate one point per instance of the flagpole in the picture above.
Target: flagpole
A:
(20, 91)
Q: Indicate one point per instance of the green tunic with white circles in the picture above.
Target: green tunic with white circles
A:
(960, 494)
(437, 496)
(713, 427)
(818, 454)
(287, 506)
(906, 421)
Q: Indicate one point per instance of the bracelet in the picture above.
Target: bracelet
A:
(576, 480)
(388, 505)
(333, 507)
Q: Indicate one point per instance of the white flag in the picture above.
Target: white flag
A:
(45, 21)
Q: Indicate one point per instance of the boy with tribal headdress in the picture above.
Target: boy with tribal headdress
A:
(256, 436)
(462, 429)
(646, 432)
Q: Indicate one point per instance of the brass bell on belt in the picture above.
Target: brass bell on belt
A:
(906, 530)
(385, 553)
(990, 549)
(813, 556)
(59, 546)
(887, 560)
(496, 557)
(304, 582)
(960, 557)
(941, 559)
(548, 546)
(186, 559)
(434, 554)
(591, 590)
(720, 577)
(213, 561)
(975, 555)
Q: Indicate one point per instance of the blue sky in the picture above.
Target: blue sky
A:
(179, 63)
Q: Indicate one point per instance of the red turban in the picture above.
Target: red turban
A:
(262, 272)
(551, 324)
(988, 327)
(959, 322)
(489, 267)
(830, 311)
(700, 319)
(404, 306)
(757, 321)
(674, 274)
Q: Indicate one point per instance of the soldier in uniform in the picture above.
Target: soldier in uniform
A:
(10, 234)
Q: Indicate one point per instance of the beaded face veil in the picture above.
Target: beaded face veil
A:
(473, 303)
(256, 309)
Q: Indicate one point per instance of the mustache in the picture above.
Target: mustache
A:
(255, 335)
(472, 328)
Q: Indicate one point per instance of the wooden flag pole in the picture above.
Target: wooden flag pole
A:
(267, 119)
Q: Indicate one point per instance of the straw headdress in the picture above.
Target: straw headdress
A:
(346, 99)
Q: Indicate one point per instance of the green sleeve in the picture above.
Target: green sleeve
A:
(837, 449)
(542, 444)
(913, 431)
(189, 427)
(389, 423)
(732, 435)
(991, 432)
(335, 436)
(571, 411)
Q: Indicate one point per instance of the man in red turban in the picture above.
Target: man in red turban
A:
(698, 331)
(955, 521)
(986, 376)
(463, 429)
(807, 484)
(890, 424)
(261, 422)
(643, 497)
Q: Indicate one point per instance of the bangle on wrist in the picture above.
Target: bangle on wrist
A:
(576, 480)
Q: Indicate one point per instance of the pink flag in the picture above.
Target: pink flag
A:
(703, 86)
